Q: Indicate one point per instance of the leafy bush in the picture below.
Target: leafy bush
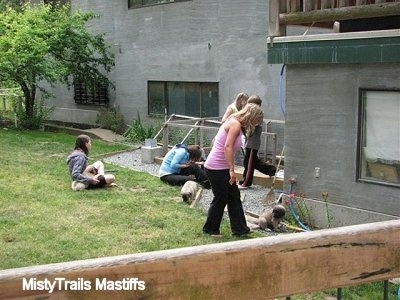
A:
(111, 118)
(138, 132)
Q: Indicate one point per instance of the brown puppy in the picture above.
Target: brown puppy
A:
(272, 217)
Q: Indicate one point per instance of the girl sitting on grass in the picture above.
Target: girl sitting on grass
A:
(86, 176)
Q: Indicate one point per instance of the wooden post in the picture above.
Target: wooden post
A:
(275, 28)
(165, 138)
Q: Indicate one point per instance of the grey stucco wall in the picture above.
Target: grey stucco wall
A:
(321, 131)
(170, 42)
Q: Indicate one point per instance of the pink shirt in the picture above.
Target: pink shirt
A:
(216, 159)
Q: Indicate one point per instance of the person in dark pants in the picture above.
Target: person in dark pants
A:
(182, 164)
(251, 160)
(220, 169)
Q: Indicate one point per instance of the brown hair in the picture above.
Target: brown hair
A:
(80, 143)
(255, 99)
(194, 152)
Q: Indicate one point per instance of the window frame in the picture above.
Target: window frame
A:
(361, 164)
(93, 93)
(167, 101)
(159, 2)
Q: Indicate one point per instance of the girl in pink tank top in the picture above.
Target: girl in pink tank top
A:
(220, 170)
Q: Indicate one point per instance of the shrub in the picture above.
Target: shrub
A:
(111, 118)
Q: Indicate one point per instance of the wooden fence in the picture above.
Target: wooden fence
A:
(259, 268)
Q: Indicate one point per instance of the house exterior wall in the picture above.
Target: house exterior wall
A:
(321, 131)
(170, 43)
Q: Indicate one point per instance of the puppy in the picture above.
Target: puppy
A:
(188, 191)
(90, 171)
(272, 217)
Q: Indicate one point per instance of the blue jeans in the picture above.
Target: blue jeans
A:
(224, 194)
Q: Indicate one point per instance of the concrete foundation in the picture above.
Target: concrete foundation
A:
(149, 153)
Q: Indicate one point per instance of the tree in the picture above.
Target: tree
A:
(48, 44)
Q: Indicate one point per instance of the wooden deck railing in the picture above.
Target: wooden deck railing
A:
(261, 268)
(323, 12)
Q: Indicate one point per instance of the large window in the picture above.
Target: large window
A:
(379, 143)
(141, 3)
(195, 99)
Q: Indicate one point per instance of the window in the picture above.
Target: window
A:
(92, 93)
(195, 99)
(141, 3)
(379, 142)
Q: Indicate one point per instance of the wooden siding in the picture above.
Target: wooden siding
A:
(322, 13)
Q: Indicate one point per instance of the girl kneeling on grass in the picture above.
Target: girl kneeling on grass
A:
(86, 176)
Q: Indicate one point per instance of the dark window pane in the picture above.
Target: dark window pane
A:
(209, 100)
(90, 92)
(176, 98)
(157, 99)
(194, 99)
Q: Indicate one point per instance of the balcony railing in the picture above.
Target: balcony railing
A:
(323, 13)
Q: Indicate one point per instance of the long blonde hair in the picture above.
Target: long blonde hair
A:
(248, 116)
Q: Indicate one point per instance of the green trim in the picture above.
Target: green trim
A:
(344, 51)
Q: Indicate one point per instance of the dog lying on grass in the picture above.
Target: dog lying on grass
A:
(90, 172)
(272, 218)
(188, 191)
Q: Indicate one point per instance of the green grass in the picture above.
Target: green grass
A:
(43, 221)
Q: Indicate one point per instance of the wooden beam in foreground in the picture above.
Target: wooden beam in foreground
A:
(249, 269)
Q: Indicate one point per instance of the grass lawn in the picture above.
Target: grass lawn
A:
(43, 221)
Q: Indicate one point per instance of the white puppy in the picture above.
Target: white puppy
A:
(188, 191)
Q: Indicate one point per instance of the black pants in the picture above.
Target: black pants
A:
(193, 172)
(251, 162)
(224, 194)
